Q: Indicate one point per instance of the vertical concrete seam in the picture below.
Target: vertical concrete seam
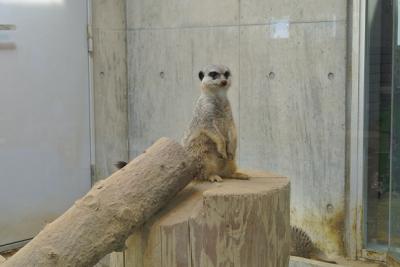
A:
(192, 61)
(127, 83)
(239, 85)
(348, 223)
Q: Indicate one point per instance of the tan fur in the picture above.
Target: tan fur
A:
(211, 136)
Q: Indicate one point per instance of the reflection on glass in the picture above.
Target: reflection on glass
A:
(394, 247)
(378, 86)
(31, 2)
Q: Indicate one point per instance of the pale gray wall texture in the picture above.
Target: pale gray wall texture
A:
(110, 85)
(288, 91)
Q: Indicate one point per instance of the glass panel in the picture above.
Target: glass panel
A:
(378, 86)
(394, 238)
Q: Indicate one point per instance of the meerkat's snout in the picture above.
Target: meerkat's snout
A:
(224, 83)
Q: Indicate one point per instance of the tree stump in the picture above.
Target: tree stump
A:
(233, 223)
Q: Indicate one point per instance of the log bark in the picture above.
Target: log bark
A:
(101, 221)
(233, 223)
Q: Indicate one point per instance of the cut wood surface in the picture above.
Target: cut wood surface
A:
(233, 223)
(102, 220)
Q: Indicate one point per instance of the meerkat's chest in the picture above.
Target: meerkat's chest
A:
(224, 121)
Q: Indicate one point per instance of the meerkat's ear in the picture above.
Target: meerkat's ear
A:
(201, 75)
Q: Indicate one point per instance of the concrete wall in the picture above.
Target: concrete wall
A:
(110, 85)
(288, 60)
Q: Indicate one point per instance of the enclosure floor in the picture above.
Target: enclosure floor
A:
(9, 253)
(341, 262)
(346, 262)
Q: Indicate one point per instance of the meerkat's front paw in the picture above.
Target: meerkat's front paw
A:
(221, 148)
(223, 153)
(240, 176)
(230, 149)
(215, 178)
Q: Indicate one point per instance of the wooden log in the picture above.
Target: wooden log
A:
(233, 223)
(101, 221)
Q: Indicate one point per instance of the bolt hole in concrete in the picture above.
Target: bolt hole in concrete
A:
(162, 75)
(271, 75)
(329, 208)
(331, 76)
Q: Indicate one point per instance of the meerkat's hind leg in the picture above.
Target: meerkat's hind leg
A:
(215, 178)
(230, 171)
(240, 176)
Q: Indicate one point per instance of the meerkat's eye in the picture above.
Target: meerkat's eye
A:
(227, 74)
(213, 74)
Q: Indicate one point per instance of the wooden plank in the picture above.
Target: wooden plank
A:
(117, 259)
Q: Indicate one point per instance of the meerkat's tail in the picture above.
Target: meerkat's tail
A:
(120, 164)
(318, 255)
(302, 246)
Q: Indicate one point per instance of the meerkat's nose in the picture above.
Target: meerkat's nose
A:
(223, 83)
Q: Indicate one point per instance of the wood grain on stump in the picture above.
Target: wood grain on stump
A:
(233, 223)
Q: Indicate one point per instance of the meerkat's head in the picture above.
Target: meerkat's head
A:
(215, 78)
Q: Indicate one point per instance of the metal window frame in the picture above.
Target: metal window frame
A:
(356, 214)
(393, 260)
(356, 201)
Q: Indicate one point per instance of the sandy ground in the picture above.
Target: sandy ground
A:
(9, 253)
(346, 262)
(341, 261)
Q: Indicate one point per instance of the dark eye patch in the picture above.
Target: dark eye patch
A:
(201, 75)
(213, 74)
(227, 74)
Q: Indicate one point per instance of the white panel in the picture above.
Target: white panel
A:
(44, 115)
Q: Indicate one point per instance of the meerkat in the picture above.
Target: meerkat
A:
(302, 246)
(211, 135)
